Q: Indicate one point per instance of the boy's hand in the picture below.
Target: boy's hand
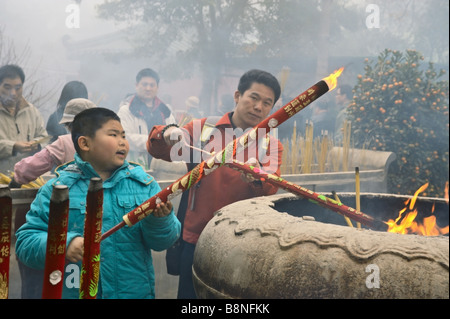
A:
(75, 250)
(163, 209)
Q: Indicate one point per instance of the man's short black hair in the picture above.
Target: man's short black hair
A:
(147, 73)
(11, 71)
(88, 122)
(261, 77)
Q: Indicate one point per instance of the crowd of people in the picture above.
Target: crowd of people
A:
(82, 140)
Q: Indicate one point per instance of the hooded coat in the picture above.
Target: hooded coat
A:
(126, 267)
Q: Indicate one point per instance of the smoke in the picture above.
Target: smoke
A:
(68, 41)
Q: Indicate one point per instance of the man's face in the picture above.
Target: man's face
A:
(10, 91)
(253, 106)
(147, 89)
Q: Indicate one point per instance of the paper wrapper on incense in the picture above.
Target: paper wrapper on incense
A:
(90, 270)
(56, 243)
(5, 239)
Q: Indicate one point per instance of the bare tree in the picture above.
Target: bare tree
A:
(34, 91)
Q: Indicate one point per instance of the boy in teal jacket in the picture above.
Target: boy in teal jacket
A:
(126, 268)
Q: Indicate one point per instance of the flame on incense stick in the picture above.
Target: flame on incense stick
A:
(331, 80)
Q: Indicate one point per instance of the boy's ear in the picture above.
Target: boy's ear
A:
(84, 143)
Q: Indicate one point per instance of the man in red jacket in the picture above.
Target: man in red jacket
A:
(255, 97)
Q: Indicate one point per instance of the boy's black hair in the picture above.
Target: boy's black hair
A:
(262, 77)
(147, 73)
(88, 122)
(11, 71)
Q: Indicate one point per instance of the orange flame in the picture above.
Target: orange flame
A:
(446, 192)
(331, 80)
(409, 226)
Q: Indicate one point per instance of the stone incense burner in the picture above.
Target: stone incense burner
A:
(286, 247)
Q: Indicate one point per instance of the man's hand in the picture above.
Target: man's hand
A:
(163, 209)
(173, 135)
(25, 147)
(75, 250)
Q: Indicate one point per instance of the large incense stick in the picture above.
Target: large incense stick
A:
(56, 243)
(5, 239)
(204, 168)
(312, 196)
(90, 270)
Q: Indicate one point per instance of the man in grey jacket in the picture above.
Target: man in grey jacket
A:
(21, 124)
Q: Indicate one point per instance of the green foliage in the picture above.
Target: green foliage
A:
(402, 107)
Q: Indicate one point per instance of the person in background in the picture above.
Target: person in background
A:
(254, 98)
(140, 112)
(21, 124)
(126, 270)
(54, 154)
(226, 104)
(192, 107)
(72, 90)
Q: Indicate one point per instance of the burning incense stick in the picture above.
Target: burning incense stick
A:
(56, 243)
(237, 145)
(316, 198)
(5, 242)
(90, 270)
(357, 193)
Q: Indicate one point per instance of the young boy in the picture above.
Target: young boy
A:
(126, 269)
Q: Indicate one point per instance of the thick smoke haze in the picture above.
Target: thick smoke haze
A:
(57, 41)
(61, 48)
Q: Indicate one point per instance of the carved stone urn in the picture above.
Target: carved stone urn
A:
(251, 250)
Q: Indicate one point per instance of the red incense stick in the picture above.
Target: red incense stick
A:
(226, 155)
(5, 239)
(90, 270)
(56, 243)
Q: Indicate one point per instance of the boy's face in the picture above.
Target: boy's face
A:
(108, 149)
(253, 106)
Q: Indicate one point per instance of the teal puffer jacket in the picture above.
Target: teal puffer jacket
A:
(126, 267)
